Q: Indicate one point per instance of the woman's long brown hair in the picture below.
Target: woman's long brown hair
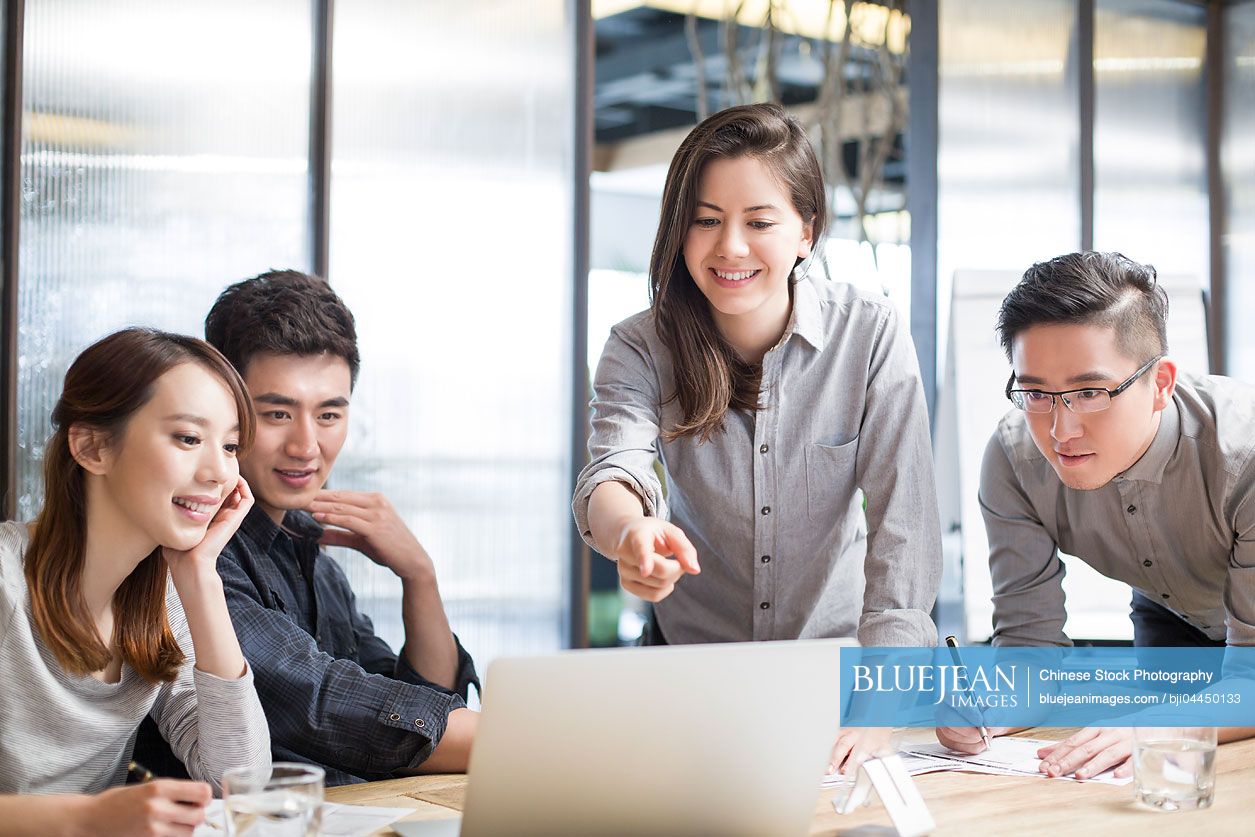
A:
(710, 377)
(104, 387)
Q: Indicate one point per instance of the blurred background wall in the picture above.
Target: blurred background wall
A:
(420, 155)
(480, 181)
(1030, 128)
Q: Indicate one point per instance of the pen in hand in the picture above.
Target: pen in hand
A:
(958, 661)
(137, 773)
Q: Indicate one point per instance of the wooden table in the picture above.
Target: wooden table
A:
(963, 804)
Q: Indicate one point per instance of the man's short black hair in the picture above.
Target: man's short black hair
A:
(1105, 289)
(282, 312)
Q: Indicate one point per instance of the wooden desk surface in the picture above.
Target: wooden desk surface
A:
(962, 804)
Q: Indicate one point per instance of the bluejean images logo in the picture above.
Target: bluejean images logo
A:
(956, 686)
(1064, 687)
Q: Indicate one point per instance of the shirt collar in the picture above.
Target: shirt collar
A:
(258, 526)
(1152, 464)
(806, 320)
(302, 526)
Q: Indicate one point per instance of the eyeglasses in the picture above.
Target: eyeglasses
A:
(1088, 400)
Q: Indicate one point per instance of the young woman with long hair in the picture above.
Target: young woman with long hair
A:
(111, 608)
(775, 401)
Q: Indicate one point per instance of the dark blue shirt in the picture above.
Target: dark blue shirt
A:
(334, 693)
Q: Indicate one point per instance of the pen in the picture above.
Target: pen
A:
(138, 773)
(958, 661)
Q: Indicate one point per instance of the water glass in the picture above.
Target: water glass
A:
(284, 801)
(1175, 767)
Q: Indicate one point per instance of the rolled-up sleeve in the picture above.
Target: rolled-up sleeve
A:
(623, 440)
(895, 471)
(1024, 560)
(332, 711)
(377, 657)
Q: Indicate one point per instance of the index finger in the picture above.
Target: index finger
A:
(681, 548)
(246, 494)
(641, 548)
(348, 498)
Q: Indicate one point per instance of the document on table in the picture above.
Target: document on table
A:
(915, 764)
(337, 820)
(1005, 757)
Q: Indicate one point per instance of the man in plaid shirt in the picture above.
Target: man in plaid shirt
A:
(335, 694)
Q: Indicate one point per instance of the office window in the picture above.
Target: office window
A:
(1008, 195)
(451, 236)
(1238, 154)
(164, 155)
(1150, 179)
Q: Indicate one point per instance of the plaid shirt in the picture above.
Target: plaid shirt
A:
(334, 693)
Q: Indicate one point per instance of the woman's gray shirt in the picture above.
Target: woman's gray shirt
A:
(61, 733)
(774, 504)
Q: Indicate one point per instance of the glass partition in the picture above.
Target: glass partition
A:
(1150, 178)
(1238, 155)
(164, 155)
(451, 233)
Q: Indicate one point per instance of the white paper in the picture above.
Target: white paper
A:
(1006, 757)
(357, 820)
(215, 823)
(337, 820)
(915, 764)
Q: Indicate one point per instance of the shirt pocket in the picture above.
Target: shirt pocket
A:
(830, 481)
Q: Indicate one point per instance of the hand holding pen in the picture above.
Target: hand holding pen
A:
(974, 739)
(147, 806)
(961, 680)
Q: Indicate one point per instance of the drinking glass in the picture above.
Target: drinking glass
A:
(1175, 767)
(284, 801)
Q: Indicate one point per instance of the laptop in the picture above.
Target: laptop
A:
(680, 740)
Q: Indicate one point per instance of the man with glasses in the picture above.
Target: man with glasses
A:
(1112, 456)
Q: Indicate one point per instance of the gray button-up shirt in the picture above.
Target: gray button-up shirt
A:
(772, 504)
(1178, 526)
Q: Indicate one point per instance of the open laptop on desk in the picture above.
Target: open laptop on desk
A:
(698, 739)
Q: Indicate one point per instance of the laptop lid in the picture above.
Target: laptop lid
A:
(698, 739)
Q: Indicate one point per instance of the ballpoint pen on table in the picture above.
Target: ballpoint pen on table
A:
(958, 661)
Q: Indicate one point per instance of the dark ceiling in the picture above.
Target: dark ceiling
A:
(646, 76)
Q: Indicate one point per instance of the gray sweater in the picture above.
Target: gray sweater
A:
(65, 734)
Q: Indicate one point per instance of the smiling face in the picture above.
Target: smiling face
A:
(1088, 450)
(302, 407)
(175, 462)
(742, 245)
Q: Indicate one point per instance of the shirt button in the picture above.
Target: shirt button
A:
(762, 448)
(1165, 595)
(766, 559)
(1147, 563)
(766, 510)
(1132, 509)
(418, 722)
(765, 605)
(394, 717)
